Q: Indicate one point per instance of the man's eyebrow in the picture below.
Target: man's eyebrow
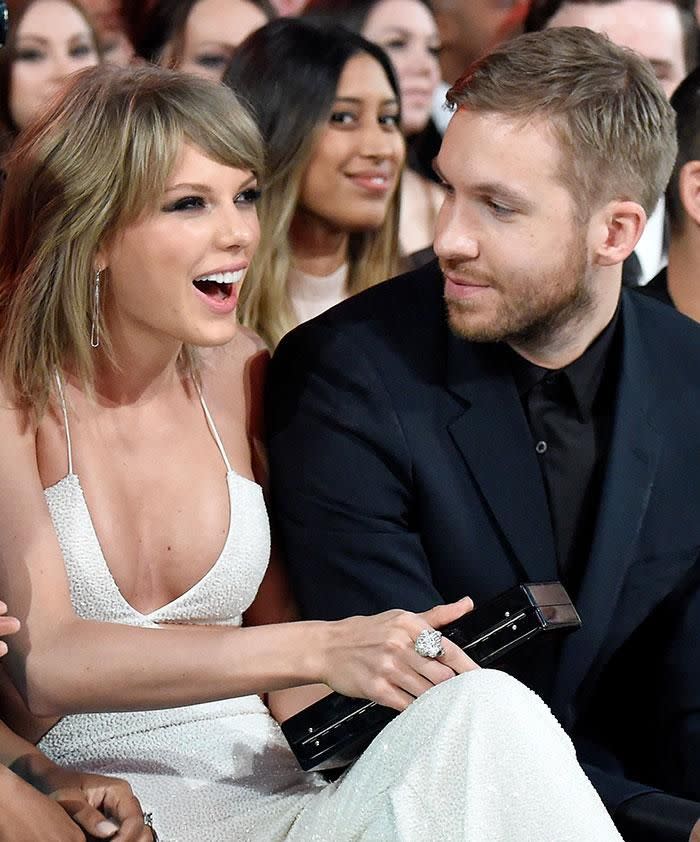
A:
(498, 190)
(491, 188)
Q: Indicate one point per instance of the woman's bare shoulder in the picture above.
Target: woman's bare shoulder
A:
(234, 373)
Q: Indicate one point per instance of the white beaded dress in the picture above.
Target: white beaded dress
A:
(479, 758)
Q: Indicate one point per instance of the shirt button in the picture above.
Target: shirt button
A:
(541, 447)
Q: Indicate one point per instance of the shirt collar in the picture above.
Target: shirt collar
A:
(584, 374)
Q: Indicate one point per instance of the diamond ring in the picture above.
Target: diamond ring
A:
(148, 821)
(429, 644)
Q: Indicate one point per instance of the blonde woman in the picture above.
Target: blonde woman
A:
(134, 540)
(328, 106)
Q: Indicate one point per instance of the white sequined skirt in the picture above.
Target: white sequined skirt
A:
(479, 758)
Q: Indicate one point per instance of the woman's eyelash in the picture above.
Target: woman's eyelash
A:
(249, 196)
(186, 203)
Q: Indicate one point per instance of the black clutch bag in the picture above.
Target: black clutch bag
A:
(335, 730)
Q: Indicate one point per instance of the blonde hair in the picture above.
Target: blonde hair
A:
(98, 159)
(604, 103)
(289, 70)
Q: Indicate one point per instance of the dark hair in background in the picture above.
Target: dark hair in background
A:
(543, 10)
(422, 147)
(153, 25)
(686, 104)
(17, 9)
(288, 73)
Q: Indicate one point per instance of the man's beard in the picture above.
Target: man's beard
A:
(538, 308)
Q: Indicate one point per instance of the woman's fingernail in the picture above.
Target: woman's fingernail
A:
(107, 828)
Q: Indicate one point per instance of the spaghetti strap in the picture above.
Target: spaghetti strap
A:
(65, 421)
(212, 427)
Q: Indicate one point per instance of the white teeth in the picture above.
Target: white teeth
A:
(223, 277)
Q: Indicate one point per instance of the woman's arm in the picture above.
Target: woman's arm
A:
(62, 663)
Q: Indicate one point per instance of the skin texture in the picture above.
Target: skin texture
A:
(651, 27)
(354, 169)
(408, 32)
(507, 226)
(53, 41)
(214, 29)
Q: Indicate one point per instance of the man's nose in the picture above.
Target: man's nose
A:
(455, 237)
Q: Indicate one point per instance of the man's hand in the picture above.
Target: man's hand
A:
(105, 808)
(695, 833)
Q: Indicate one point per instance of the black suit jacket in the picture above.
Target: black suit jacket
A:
(404, 474)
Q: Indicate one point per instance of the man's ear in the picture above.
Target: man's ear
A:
(617, 229)
(689, 189)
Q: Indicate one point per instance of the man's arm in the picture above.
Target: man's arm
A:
(341, 481)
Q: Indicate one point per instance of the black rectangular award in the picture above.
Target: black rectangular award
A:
(332, 732)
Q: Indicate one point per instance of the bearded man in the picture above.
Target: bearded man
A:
(510, 414)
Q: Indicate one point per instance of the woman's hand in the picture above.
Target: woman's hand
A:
(8, 625)
(374, 657)
(103, 807)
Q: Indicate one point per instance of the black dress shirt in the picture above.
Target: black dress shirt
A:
(570, 413)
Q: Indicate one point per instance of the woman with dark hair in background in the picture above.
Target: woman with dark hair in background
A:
(48, 40)
(328, 106)
(406, 29)
(197, 36)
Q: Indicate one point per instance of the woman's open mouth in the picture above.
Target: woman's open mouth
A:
(219, 288)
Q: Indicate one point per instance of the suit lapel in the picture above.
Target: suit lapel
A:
(632, 463)
(493, 437)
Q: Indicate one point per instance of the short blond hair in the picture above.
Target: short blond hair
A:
(95, 162)
(612, 119)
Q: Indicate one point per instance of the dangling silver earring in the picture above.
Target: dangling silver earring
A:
(95, 327)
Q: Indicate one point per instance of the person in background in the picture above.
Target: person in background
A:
(109, 18)
(665, 33)
(406, 30)
(197, 36)
(328, 106)
(289, 8)
(48, 41)
(678, 284)
(468, 30)
(105, 808)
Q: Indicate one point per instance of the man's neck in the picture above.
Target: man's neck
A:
(684, 271)
(568, 342)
